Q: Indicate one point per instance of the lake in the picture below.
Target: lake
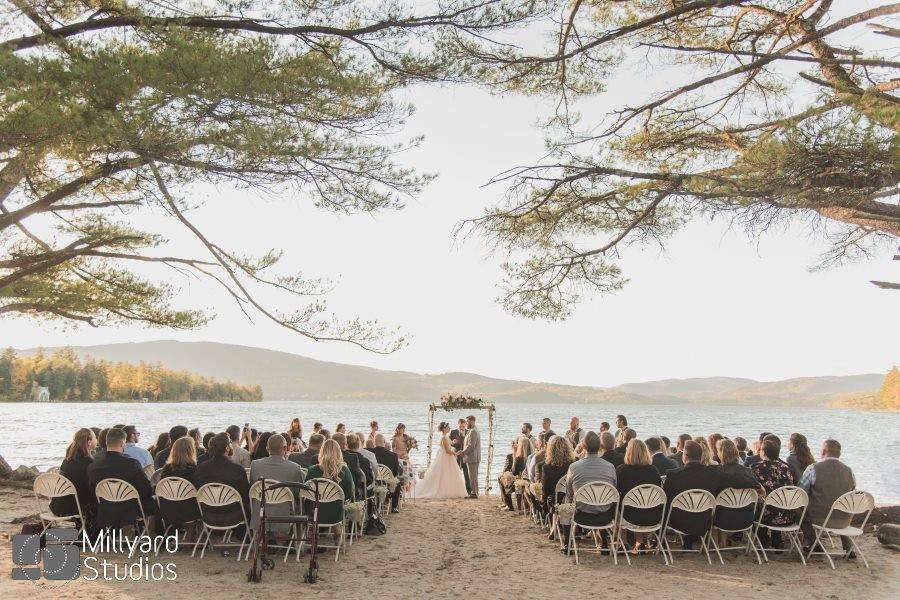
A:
(38, 433)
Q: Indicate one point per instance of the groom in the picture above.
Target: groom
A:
(457, 439)
(471, 454)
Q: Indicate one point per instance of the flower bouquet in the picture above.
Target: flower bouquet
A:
(411, 443)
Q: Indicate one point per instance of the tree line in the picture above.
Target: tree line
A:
(69, 379)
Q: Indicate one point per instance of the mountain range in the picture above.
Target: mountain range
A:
(285, 376)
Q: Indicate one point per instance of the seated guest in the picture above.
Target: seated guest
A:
(162, 442)
(559, 457)
(693, 475)
(277, 467)
(638, 469)
(825, 481)
(182, 462)
(711, 441)
(660, 461)
(220, 468)
(325, 434)
(317, 427)
(706, 454)
(679, 449)
(389, 459)
(74, 468)
(331, 466)
(199, 446)
(112, 464)
(132, 436)
(590, 469)
(667, 446)
(206, 437)
(260, 448)
(753, 456)
(310, 456)
(627, 435)
(368, 470)
(732, 474)
(536, 461)
(367, 453)
(772, 473)
(101, 443)
(799, 455)
(741, 445)
(163, 455)
(604, 427)
(340, 428)
(608, 447)
(238, 455)
(506, 490)
(351, 459)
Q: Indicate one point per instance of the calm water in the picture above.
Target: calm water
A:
(37, 434)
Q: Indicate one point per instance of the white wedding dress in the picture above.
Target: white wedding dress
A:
(444, 479)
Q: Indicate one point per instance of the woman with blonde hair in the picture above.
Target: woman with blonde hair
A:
(638, 470)
(182, 459)
(331, 466)
(558, 457)
(712, 440)
(706, 459)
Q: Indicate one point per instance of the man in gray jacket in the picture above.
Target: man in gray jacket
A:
(276, 467)
(471, 454)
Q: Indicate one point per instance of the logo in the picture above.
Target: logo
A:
(50, 555)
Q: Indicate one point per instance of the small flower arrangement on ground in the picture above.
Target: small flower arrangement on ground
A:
(459, 402)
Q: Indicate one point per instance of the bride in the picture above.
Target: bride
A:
(444, 478)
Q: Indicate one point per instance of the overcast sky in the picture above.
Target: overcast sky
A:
(715, 303)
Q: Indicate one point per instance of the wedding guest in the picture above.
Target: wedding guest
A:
(536, 461)
(277, 467)
(638, 469)
(199, 448)
(575, 432)
(221, 468)
(693, 475)
(590, 469)
(621, 424)
(608, 449)
(741, 445)
(526, 430)
(389, 459)
(825, 481)
(667, 447)
(799, 455)
(310, 456)
(506, 489)
(132, 436)
(367, 473)
(174, 433)
(101, 442)
(399, 442)
(74, 467)
(773, 473)
(295, 430)
(239, 455)
(523, 450)
(352, 461)
(559, 457)
(679, 448)
(206, 437)
(260, 448)
(658, 459)
(604, 427)
(317, 427)
(711, 440)
(706, 458)
(162, 442)
(182, 461)
(366, 453)
(112, 464)
(325, 433)
(331, 466)
(457, 439)
(754, 457)
(628, 434)
(373, 430)
(340, 428)
(546, 432)
(732, 474)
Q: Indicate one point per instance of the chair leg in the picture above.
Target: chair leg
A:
(573, 543)
(751, 545)
(817, 542)
(859, 551)
(704, 545)
(715, 544)
(664, 542)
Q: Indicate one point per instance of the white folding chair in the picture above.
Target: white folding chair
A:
(53, 485)
(174, 489)
(737, 499)
(595, 494)
(788, 497)
(646, 496)
(273, 498)
(554, 520)
(149, 470)
(114, 490)
(331, 497)
(852, 503)
(215, 495)
(690, 501)
(383, 477)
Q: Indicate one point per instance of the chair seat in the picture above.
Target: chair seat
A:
(49, 516)
(849, 530)
(639, 528)
(781, 527)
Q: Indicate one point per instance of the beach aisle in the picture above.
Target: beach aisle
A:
(447, 549)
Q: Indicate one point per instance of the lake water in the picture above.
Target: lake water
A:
(38, 433)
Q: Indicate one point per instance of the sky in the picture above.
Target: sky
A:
(715, 302)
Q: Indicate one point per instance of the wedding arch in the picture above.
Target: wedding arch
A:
(452, 402)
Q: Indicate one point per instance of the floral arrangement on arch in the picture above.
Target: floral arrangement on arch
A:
(458, 402)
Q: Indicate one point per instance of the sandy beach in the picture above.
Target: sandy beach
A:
(435, 549)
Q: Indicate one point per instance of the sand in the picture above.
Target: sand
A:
(466, 548)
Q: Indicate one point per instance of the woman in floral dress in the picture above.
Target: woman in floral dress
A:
(772, 473)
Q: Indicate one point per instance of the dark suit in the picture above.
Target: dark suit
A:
(678, 457)
(391, 461)
(366, 468)
(115, 465)
(692, 475)
(663, 463)
(359, 478)
(457, 439)
(613, 457)
(305, 459)
(220, 469)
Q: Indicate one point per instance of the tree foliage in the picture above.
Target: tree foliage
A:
(781, 110)
(110, 109)
(68, 379)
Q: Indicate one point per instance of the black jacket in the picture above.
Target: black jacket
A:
(663, 463)
(161, 457)
(366, 468)
(359, 479)
(305, 459)
(735, 475)
(549, 478)
(75, 470)
(387, 458)
(115, 465)
(220, 469)
(631, 476)
(692, 475)
(613, 457)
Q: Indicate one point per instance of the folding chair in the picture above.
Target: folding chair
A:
(53, 485)
(788, 497)
(595, 494)
(216, 495)
(644, 496)
(691, 501)
(852, 503)
(738, 499)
